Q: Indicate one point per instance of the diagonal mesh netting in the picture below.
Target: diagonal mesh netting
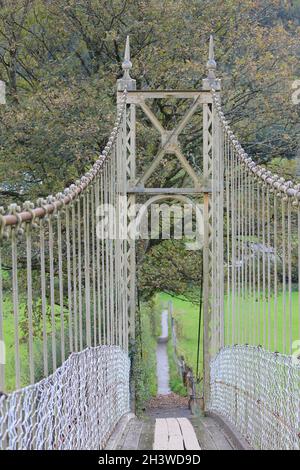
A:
(258, 391)
(77, 407)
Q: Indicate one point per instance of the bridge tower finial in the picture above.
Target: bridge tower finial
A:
(2, 92)
(211, 81)
(126, 81)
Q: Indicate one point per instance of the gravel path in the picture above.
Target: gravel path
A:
(162, 362)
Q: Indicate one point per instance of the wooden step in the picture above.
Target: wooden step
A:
(174, 434)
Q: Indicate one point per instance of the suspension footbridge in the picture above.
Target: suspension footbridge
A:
(72, 387)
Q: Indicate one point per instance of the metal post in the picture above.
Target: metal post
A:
(128, 154)
(128, 83)
(209, 152)
(2, 346)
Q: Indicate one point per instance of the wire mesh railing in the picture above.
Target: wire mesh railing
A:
(75, 408)
(259, 392)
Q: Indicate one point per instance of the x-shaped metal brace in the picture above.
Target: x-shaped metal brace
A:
(169, 142)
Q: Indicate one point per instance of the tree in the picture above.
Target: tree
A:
(61, 61)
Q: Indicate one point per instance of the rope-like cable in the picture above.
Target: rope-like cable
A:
(71, 193)
(278, 184)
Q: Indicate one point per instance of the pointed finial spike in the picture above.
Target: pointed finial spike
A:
(127, 65)
(126, 81)
(2, 92)
(211, 63)
(211, 48)
(127, 49)
(211, 81)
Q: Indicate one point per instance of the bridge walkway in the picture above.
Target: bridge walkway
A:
(139, 433)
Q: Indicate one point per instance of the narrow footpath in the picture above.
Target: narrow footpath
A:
(168, 422)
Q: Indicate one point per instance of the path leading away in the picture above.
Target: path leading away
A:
(162, 363)
(142, 435)
(168, 423)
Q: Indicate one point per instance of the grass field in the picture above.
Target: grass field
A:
(253, 320)
(150, 326)
(186, 316)
(176, 384)
(274, 325)
(9, 341)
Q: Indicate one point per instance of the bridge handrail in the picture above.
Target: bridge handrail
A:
(14, 215)
(279, 185)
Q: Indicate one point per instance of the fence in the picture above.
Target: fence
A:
(258, 391)
(76, 407)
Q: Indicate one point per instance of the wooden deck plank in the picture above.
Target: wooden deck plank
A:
(173, 427)
(217, 434)
(147, 436)
(189, 437)
(132, 438)
(175, 435)
(176, 442)
(161, 426)
(205, 439)
(161, 435)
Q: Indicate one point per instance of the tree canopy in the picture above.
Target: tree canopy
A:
(61, 59)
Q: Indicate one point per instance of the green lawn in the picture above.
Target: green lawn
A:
(144, 365)
(262, 324)
(255, 326)
(176, 384)
(186, 316)
(150, 327)
(9, 340)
